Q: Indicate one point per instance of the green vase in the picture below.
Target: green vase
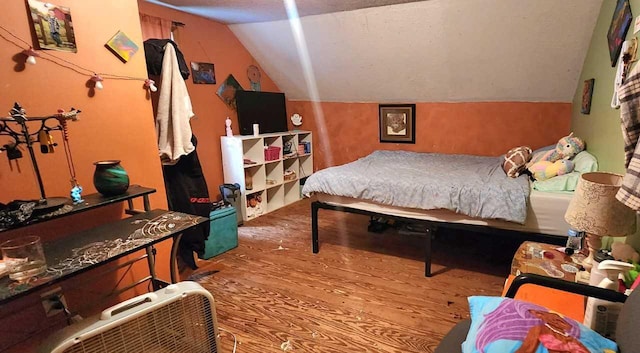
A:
(110, 178)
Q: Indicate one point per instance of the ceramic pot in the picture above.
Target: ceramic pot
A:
(110, 178)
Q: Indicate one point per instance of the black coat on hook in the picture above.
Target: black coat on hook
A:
(154, 53)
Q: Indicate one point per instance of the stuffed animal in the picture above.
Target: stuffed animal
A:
(624, 252)
(566, 148)
(544, 170)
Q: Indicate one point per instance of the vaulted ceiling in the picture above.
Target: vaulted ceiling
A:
(422, 51)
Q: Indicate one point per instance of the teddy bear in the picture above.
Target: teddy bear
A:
(544, 170)
(566, 148)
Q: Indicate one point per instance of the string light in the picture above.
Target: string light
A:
(97, 81)
(151, 84)
(95, 77)
(31, 55)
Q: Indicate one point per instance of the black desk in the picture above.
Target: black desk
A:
(92, 201)
(89, 249)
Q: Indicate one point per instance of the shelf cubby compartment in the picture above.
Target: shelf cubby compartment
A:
(289, 146)
(275, 198)
(306, 166)
(274, 174)
(305, 138)
(256, 204)
(291, 192)
(253, 150)
(255, 177)
(291, 165)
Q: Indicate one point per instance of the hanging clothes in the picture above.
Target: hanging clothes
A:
(174, 111)
(187, 192)
(617, 82)
(629, 95)
(154, 55)
(184, 181)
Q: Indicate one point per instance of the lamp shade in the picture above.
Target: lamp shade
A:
(594, 208)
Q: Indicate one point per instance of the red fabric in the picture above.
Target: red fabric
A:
(155, 27)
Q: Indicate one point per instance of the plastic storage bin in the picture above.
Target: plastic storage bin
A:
(223, 232)
(271, 153)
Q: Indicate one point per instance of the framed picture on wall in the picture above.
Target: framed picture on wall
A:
(587, 92)
(397, 123)
(618, 29)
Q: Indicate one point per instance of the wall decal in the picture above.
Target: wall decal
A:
(52, 26)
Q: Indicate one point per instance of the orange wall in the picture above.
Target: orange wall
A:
(351, 130)
(202, 40)
(116, 123)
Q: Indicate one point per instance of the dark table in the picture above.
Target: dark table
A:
(83, 251)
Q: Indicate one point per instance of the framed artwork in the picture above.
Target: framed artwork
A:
(122, 46)
(618, 29)
(203, 73)
(397, 123)
(52, 26)
(587, 92)
(227, 91)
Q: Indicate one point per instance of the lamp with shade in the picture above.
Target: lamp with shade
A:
(595, 210)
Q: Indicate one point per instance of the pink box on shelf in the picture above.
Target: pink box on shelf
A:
(271, 153)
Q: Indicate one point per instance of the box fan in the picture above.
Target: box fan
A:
(179, 318)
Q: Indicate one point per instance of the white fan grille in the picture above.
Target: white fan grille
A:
(186, 326)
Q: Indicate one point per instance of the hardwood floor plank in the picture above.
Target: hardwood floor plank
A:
(363, 292)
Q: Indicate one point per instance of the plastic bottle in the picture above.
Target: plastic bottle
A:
(596, 274)
(601, 315)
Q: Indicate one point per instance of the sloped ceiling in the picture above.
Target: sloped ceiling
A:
(431, 51)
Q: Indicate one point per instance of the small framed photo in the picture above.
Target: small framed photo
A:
(122, 46)
(397, 123)
(587, 93)
(52, 26)
(618, 29)
(203, 73)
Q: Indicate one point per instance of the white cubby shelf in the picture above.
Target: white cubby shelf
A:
(268, 168)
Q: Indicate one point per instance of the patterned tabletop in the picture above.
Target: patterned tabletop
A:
(83, 251)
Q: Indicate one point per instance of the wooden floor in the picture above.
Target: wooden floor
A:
(363, 292)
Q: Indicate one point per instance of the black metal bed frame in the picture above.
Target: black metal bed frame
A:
(431, 227)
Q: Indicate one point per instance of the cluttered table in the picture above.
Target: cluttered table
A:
(551, 261)
(82, 251)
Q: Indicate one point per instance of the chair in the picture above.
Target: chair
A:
(627, 336)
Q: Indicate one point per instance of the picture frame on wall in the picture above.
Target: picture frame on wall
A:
(618, 29)
(397, 123)
(587, 93)
(52, 26)
(203, 73)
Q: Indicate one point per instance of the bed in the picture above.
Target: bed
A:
(438, 190)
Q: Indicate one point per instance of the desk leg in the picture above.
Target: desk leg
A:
(151, 261)
(173, 263)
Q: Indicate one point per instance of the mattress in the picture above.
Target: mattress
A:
(545, 213)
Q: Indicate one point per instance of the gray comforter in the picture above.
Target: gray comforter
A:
(471, 185)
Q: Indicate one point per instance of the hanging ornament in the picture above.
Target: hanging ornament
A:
(31, 55)
(151, 85)
(97, 81)
(254, 75)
